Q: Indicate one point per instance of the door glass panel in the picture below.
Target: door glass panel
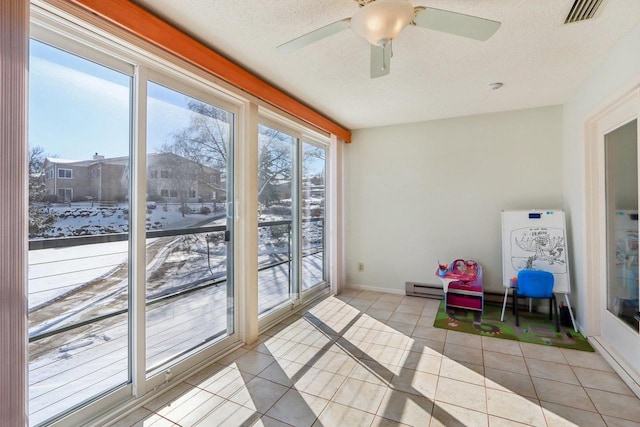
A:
(313, 215)
(275, 171)
(621, 154)
(189, 290)
(79, 142)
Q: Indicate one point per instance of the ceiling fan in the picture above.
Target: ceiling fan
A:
(380, 21)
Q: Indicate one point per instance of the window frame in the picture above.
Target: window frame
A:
(300, 134)
(178, 80)
(109, 46)
(62, 31)
(54, 31)
(310, 293)
(65, 170)
(65, 191)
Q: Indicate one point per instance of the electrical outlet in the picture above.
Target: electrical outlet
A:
(361, 266)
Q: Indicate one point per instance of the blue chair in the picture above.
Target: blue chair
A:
(536, 284)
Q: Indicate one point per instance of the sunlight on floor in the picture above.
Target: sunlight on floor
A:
(366, 358)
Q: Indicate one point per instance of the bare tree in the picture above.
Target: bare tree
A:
(275, 159)
(206, 139)
(204, 142)
(310, 155)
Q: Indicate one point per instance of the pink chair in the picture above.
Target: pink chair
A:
(466, 292)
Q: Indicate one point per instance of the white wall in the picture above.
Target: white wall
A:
(613, 78)
(434, 190)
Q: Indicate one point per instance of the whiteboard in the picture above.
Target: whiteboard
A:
(535, 239)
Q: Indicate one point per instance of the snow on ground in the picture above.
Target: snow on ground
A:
(85, 218)
(56, 272)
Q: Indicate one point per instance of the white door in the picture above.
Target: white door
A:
(617, 133)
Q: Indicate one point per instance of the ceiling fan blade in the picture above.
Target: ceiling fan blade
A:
(455, 23)
(315, 35)
(380, 60)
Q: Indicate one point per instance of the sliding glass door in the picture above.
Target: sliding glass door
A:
(291, 218)
(131, 222)
(313, 204)
(189, 289)
(275, 215)
(79, 286)
(98, 235)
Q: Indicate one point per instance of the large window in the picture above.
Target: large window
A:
(291, 218)
(313, 204)
(78, 249)
(189, 289)
(82, 255)
(132, 208)
(275, 192)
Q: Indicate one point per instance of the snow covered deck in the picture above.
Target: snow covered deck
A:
(77, 284)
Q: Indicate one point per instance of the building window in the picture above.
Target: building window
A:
(164, 174)
(192, 193)
(173, 193)
(164, 193)
(65, 194)
(153, 174)
(65, 173)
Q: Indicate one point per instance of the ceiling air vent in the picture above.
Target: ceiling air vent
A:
(582, 9)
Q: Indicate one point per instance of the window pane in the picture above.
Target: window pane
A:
(275, 169)
(78, 230)
(189, 289)
(313, 215)
(621, 153)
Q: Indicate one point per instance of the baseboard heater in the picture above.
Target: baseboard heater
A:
(415, 289)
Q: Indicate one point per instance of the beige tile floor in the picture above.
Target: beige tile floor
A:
(373, 359)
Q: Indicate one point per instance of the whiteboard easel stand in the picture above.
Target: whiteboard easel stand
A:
(527, 226)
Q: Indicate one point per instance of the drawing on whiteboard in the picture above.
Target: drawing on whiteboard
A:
(541, 248)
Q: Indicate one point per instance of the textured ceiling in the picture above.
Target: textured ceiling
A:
(540, 60)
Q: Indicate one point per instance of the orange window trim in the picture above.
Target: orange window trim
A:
(154, 30)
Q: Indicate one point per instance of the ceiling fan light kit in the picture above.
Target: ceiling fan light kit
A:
(380, 21)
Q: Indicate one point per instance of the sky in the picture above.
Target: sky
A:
(78, 108)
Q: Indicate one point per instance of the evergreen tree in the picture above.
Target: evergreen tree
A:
(40, 218)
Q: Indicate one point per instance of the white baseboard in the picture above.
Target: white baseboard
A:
(627, 374)
(375, 289)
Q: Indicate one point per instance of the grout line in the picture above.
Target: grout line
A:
(338, 318)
